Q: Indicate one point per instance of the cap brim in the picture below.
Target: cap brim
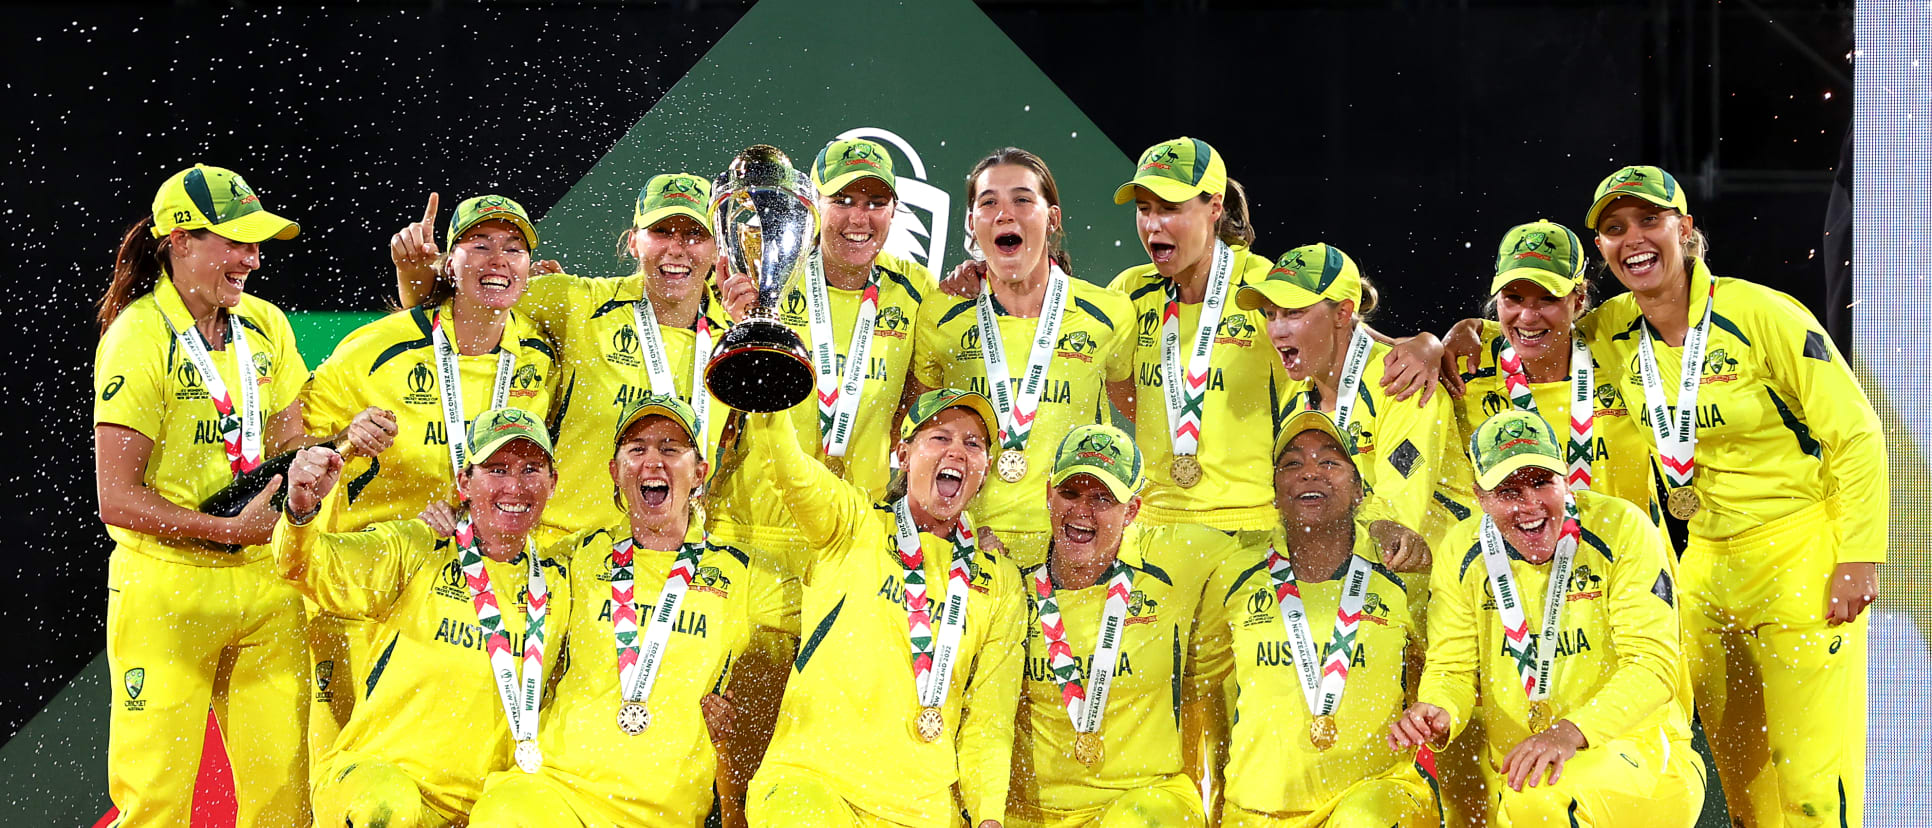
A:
(840, 182)
(1556, 285)
(522, 225)
(654, 217)
(482, 453)
(1166, 188)
(969, 400)
(1280, 294)
(1307, 419)
(1590, 219)
(259, 226)
(664, 411)
(1493, 477)
(1121, 489)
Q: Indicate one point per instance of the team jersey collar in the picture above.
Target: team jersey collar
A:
(1364, 548)
(511, 324)
(1129, 554)
(631, 289)
(168, 298)
(693, 533)
(1700, 292)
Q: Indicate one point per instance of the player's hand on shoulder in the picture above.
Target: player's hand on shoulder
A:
(441, 518)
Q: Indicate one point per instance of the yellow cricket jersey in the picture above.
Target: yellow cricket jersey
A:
(144, 381)
(1095, 347)
(1781, 421)
(1237, 428)
(1620, 669)
(1272, 765)
(429, 703)
(1409, 452)
(600, 373)
(662, 776)
(745, 499)
(390, 363)
(1141, 728)
(850, 704)
(1620, 463)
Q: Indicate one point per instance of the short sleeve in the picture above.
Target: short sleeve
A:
(130, 379)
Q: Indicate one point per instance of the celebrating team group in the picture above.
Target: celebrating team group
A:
(1197, 547)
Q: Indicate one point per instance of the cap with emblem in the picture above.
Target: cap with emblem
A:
(1510, 441)
(673, 194)
(495, 428)
(1103, 451)
(843, 162)
(216, 199)
(1304, 276)
(1308, 419)
(669, 407)
(1176, 171)
(1543, 252)
(1651, 184)
(475, 211)
(932, 402)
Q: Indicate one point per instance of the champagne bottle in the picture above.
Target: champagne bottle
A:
(235, 496)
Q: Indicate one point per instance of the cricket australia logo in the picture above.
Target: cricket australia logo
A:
(132, 681)
(1142, 609)
(527, 381)
(923, 211)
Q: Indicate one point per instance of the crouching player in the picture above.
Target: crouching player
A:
(1316, 631)
(626, 739)
(1560, 607)
(459, 627)
(1098, 738)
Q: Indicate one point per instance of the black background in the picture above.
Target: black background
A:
(1411, 134)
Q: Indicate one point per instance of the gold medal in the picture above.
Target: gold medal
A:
(1088, 748)
(1683, 503)
(1012, 465)
(836, 465)
(1186, 470)
(929, 723)
(1539, 716)
(529, 758)
(633, 718)
(1322, 731)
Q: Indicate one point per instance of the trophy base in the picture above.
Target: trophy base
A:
(760, 366)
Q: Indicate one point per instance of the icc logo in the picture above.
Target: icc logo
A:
(923, 212)
(189, 377)
(1258, 602)
(421, 379)
(1492, 403)
(625, 340)
(969, 341)
(795, 303)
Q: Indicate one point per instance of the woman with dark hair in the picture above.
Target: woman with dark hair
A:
(195, 382)
(1039, 343)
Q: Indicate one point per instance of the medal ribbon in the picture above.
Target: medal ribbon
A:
(1322, 690)
(932, 661)
(838, 400)
(449, 385)
(241, 434)
(1583, 410)
(520, 698)
(657, 361)
(1086, 701)
(637, 664)
(1016, 413)
(1348, 386)
(1185, 397)
(1676, 436)
(1535, 662)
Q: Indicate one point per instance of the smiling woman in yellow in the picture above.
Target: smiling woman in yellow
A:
(195, 382)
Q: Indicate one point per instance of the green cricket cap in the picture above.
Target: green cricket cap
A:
(1177, 170)
(1543, 252)
(1308, 419)
(1103, 451)
(673, 194)
(1304, 276)
(1514, 440)
(668, 406)
(842, 162)
(475, 211)
(1651, 184)
(216, 199)
(495, 428)
(932, 402)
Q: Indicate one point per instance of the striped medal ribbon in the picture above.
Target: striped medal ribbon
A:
(638, 663)
(520, 695)
(933, 657)
(1583, 379)
(1086, 700)
(1321, 687)
(1018, 410)
(1185, 398)
(657, 360)
(1535, 658)
(838, 397)
(241, 432)
(449, 386)
(1676, 435)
